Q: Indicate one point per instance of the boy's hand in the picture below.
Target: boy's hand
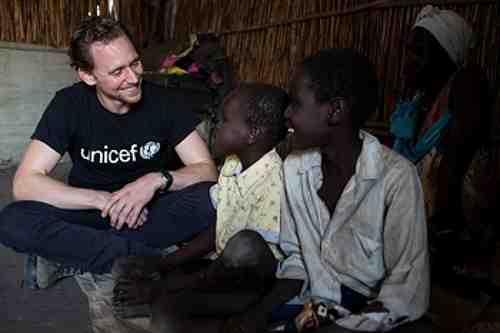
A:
(253, 321)
(374, 307)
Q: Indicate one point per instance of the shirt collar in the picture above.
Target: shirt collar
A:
(370, 162)
(246, 179)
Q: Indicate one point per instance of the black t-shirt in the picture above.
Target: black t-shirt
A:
(110, 150)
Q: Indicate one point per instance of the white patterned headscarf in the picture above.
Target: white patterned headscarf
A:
(450, 29)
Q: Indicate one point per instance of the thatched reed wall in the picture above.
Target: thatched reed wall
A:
(264, 39)
(51, 22)
(43, 22)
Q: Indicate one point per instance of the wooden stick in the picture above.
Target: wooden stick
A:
(372, 5)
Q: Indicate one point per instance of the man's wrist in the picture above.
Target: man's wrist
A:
(95, 199)
(167, 180)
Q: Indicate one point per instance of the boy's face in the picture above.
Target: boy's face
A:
(307, 117)
(234, 133)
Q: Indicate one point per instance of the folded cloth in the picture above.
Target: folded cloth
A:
(450, 29)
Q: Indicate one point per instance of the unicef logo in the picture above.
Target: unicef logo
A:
(149, 150)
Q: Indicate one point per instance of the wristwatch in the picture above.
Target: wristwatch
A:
(167, 176)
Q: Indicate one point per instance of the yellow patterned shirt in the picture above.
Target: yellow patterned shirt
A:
(249, 200)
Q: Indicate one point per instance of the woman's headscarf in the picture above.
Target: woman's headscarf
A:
(450, 29)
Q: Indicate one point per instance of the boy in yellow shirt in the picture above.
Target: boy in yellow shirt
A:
(245, 237)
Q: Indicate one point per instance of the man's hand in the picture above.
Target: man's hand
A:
(101, 199)
(127, 206)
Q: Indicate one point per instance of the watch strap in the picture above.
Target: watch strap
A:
(168, 179)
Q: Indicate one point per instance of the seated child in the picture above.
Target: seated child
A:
(247, 200)
(353, 222)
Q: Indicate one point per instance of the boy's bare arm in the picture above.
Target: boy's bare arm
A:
(200, 246)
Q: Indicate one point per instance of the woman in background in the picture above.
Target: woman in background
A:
(440, 125)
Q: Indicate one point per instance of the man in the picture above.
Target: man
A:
(353, 225)
(120, 132)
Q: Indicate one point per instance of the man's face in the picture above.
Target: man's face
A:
(233, 134)
(117, 72)
(307, 117)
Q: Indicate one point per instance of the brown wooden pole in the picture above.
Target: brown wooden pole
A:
(496, 84)
(497, 30)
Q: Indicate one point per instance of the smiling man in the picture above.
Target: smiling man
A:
(119, 132)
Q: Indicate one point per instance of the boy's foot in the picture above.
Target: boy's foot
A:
(132, 298)
(131, 312)
(135, 277)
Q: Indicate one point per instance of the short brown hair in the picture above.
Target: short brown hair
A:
(93, 29)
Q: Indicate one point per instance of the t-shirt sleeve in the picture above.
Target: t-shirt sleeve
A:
(182, 117)
(54, 128)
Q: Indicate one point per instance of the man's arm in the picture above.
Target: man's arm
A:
(199, 165)
(32, 182)
(127, 204)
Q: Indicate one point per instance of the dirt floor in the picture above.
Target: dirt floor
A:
(61, 309)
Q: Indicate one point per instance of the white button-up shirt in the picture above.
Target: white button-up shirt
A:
(374, 243)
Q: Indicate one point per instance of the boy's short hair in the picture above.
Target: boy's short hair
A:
(93, 29)
(265, 106)
(344, 73)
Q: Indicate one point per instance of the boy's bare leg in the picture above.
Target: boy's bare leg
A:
(141, 268)
(136, 278)
(246, 266)
(231, 285)
(136, 268)
(247, 249)
(132, 297)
